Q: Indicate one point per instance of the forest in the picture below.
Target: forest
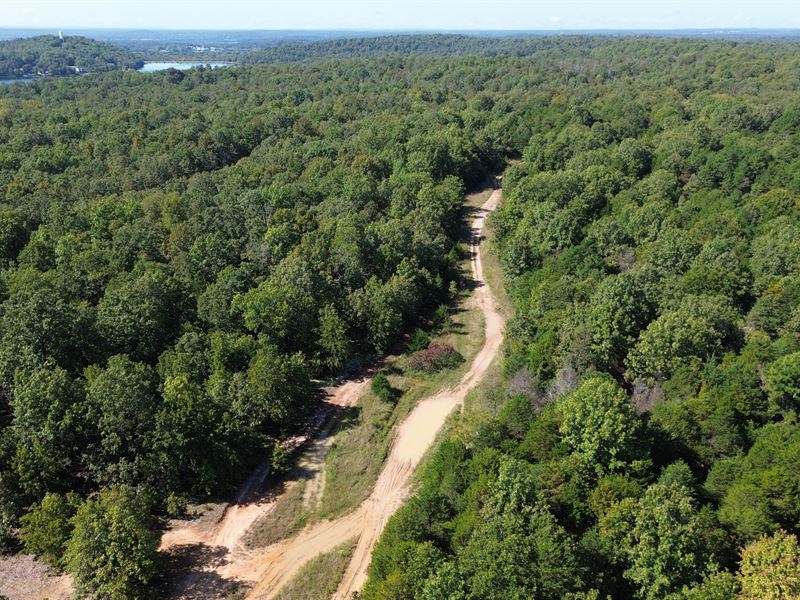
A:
(70, 55)
(185, 255)
(648, 444)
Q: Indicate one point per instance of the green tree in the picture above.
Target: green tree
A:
(121, 407)
(44, 428)
(764, 493)
(279, 388)
(621, 308)
(333, 337)
(783, 381)
(137, 314)
(665, 546)
(770, 568)
(600, 426)
(42, 323)
(697, 328)
(46, 527)
(113, 550)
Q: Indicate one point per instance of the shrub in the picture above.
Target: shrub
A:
(46, 527)
(382, 388)
(441, 317)
(280, 460)
(435, 358)
(419, 341)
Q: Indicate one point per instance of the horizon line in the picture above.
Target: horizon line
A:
(396, 30)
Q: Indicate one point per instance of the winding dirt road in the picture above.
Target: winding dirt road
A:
(277, 564)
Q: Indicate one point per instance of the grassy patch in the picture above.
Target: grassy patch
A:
(285, 519)
(356, 456)
(492, 271)
(320, 577)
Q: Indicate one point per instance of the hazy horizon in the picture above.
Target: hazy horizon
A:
(394, 15)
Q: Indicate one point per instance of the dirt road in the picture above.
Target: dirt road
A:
(273, 568)
(222, 540)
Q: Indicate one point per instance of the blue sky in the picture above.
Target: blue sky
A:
(396, 14)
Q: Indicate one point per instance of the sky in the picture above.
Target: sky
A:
(401, 14)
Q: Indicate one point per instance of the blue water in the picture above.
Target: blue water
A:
(152, 67)
(18, 80)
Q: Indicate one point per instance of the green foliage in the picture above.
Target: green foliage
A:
(697, 328)
(716, 586)
(137, 314)
(665, 524)
(333, 338)
(762, 490)
(771, 568)
(183, 254)
(381, 387)
(653, 241)
(279, 460)
(120, 410)
(600, 427)
(517, 551)
(113, 551)
(620, 310)
(45, 402)
(47, 527)
(419, 340)
(279, 387)
(783, 381)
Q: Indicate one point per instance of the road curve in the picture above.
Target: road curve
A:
(277, 564)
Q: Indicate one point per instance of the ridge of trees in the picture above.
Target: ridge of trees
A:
(57, 56)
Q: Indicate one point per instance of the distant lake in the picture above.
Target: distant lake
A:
(17, 80)
(152, 67)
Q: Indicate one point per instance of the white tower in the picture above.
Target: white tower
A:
(60, 35)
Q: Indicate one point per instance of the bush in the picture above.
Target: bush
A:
(280, 460)
(382, 388)
(419, 341)
(435, 358)
(441, 317)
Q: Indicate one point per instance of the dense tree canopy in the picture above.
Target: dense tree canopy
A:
(183, 253)
(648, 238)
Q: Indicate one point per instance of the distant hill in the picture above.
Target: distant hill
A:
(436, 44)
(428, 44)
(52, 55)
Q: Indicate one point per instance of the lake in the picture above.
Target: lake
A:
(152, 67)
(17, 80)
